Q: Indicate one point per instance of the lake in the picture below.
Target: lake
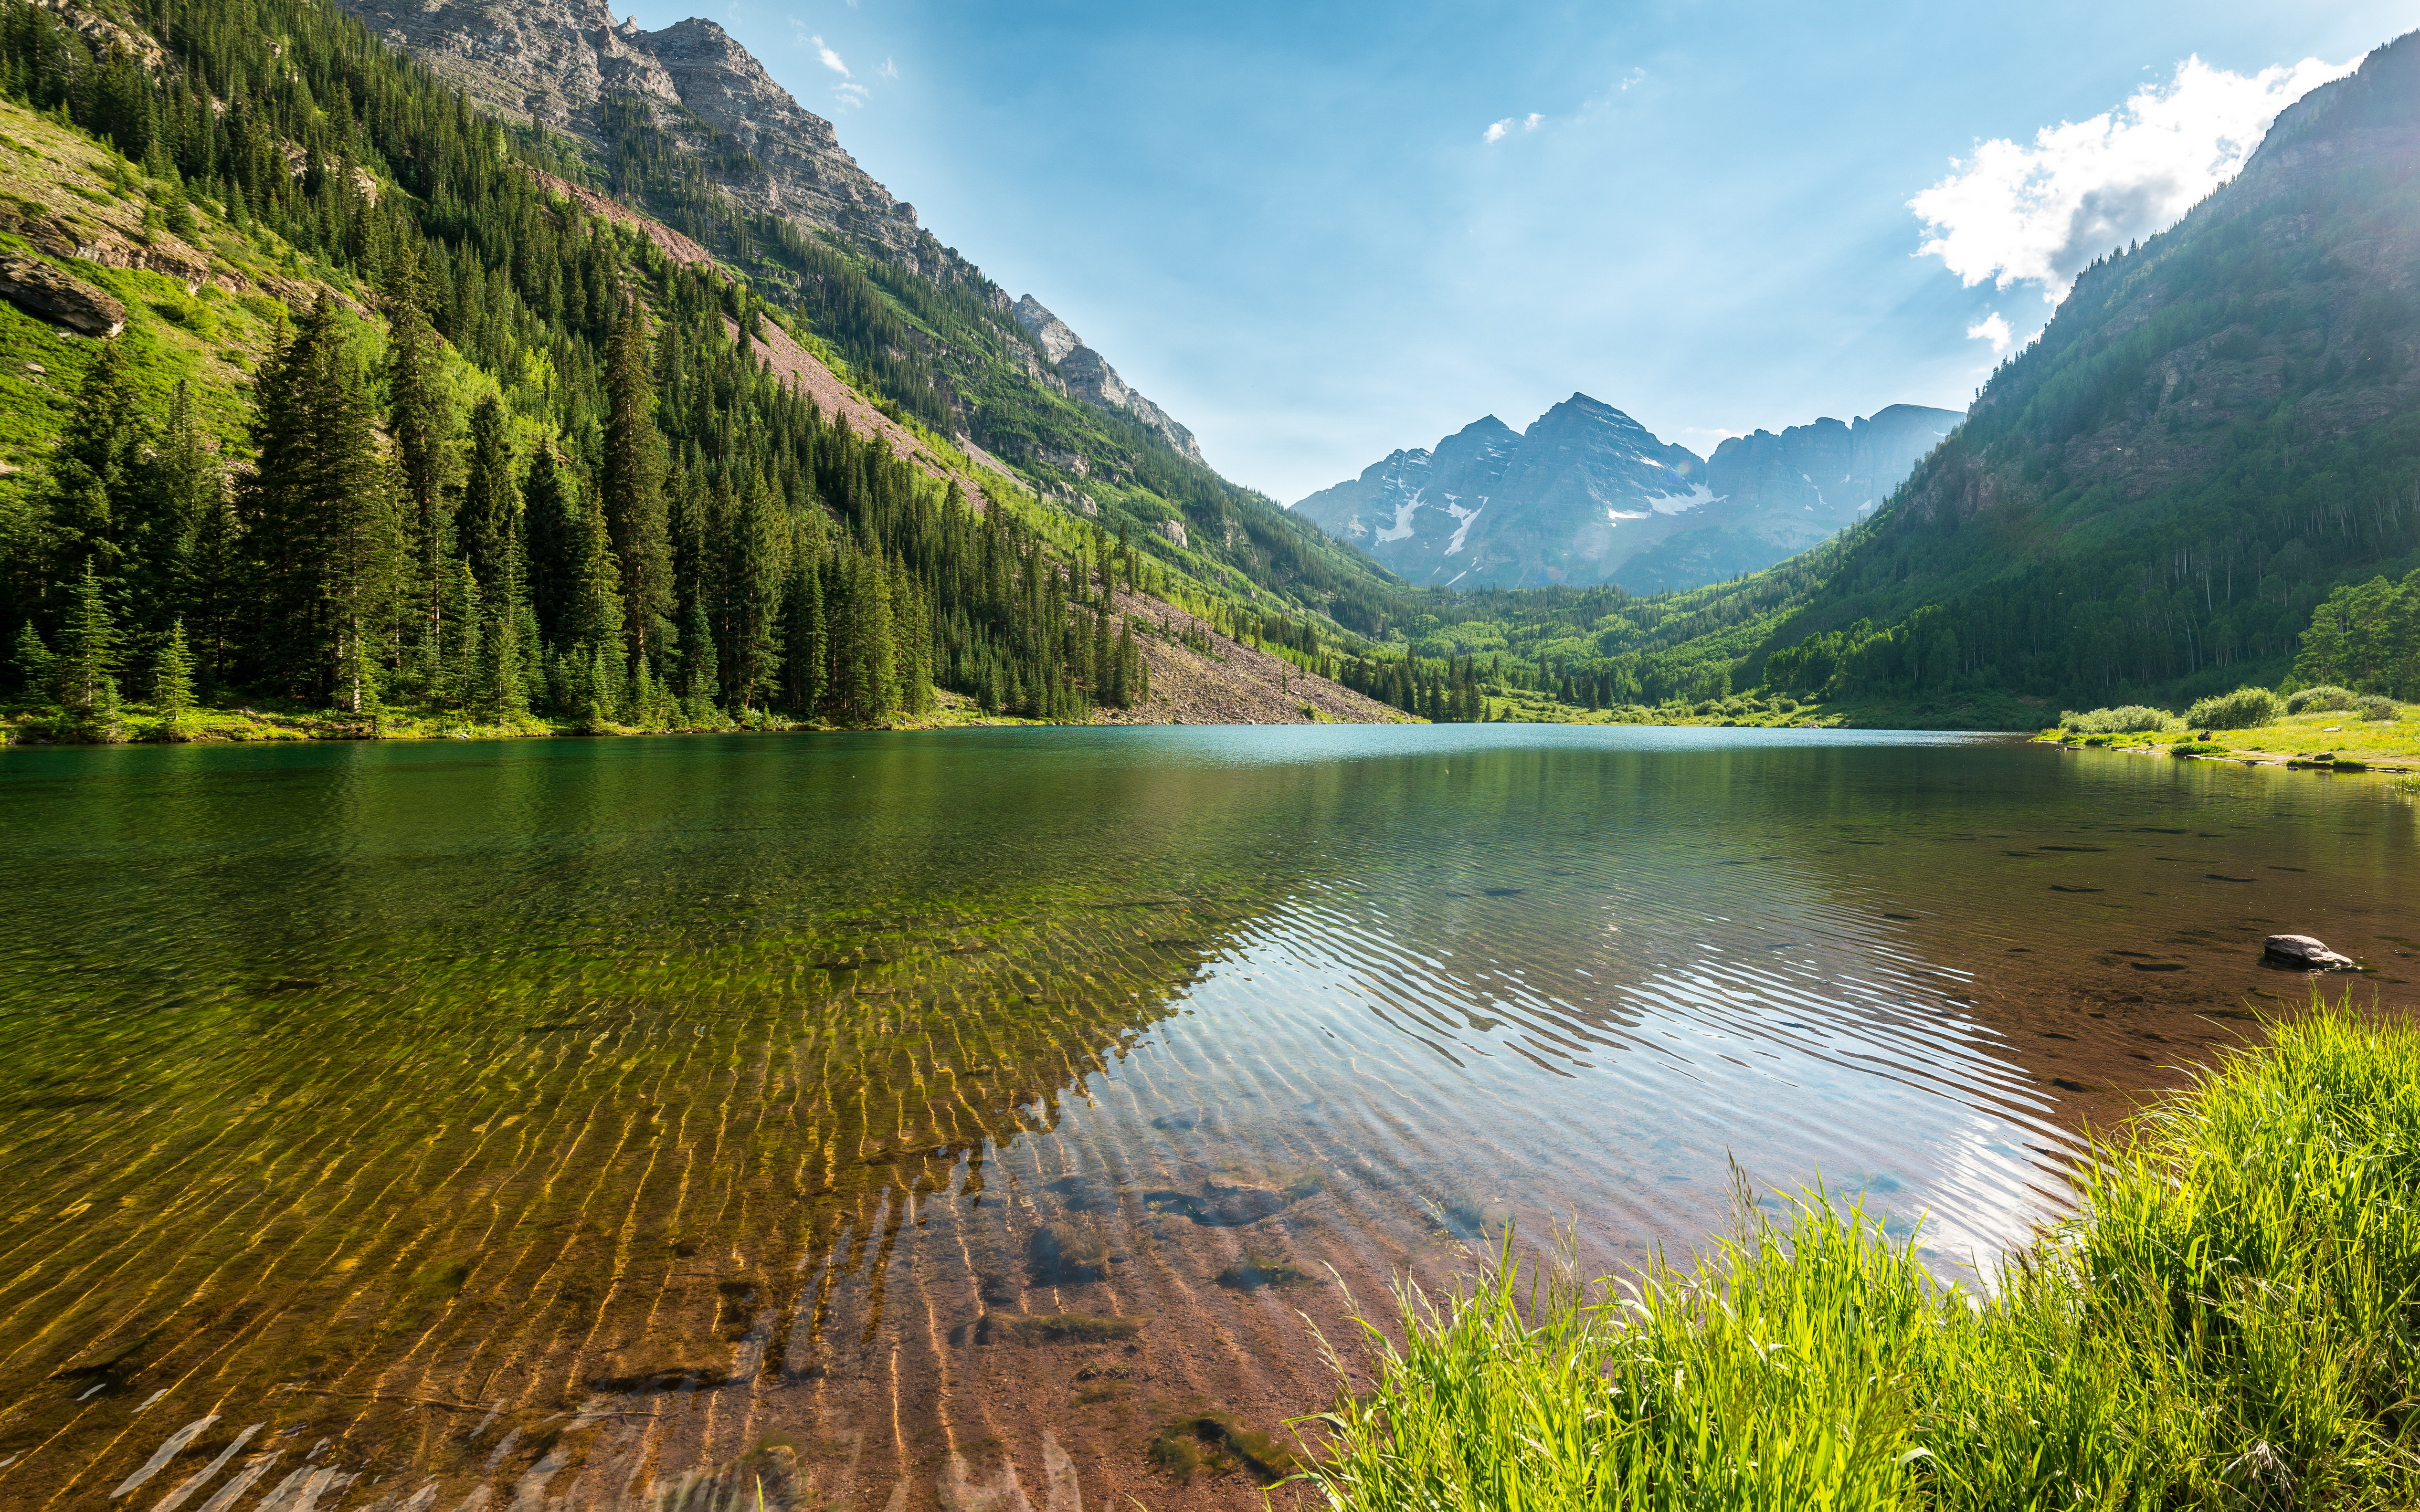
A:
(911, 1121)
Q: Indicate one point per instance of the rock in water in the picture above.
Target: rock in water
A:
(2308, 953)
(43, 292)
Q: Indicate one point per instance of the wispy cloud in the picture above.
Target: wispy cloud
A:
(1499, 131)
(1995, 329)
(2040, 213)
(889, 69)
(849, 95)
(829, 58)
(1636, 76)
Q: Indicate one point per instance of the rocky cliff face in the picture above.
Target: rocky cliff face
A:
(1090, 377)
(1587, 495)
(555, 62)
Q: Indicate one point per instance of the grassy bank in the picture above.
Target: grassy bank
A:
(2230, 1323)
(141, 724)
(2323, 725)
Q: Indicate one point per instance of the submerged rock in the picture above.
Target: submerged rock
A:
(2302, 951)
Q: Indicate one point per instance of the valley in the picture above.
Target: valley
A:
(666, 853)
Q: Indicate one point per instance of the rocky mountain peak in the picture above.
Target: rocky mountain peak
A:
(1589, 495)
(555, 62)
(1090, 377)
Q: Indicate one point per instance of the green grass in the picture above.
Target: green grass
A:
(2228, 1323)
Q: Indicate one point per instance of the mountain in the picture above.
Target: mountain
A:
(1587, 496)
(2217, 428)
(684, 124)
(569, 67)
(1090, 377)
(1778, 495)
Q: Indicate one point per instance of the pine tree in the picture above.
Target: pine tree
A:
(93, 471)
(464, 673)
(36, 668)
(320, 520)
(752, 581)
(553, 522)
(504, 691)
(173, 504)
(88, 656)
(172, 683)
(701, 673)
(487, 514)
(804, 666)
(421, 420)
(634, 491)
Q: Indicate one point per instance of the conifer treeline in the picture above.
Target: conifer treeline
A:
(635, 523)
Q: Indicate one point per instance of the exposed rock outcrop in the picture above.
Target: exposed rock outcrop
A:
(1090, 377)
(559, 63)
(45, 293)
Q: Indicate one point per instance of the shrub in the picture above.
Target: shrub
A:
(2246, 708)
(2375, 707)
(2131, 719)
(2326, 698)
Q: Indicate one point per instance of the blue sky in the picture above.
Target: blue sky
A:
(1317, 232)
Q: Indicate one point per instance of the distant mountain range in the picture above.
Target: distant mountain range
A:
(1587, 496)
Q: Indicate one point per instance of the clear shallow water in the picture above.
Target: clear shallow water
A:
(634, 1122)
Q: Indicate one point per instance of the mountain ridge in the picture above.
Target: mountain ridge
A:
(1587, 496)
(1089, 375)
(2217, 428)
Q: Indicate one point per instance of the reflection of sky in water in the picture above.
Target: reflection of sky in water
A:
(1600, 1049)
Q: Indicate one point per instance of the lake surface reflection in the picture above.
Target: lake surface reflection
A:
(912, 1120)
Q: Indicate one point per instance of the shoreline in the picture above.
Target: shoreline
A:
(2392, 763)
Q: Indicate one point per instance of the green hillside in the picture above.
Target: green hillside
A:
(2219, 429)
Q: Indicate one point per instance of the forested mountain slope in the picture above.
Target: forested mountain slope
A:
(2218, 427)
(316, 388)
(685, 125)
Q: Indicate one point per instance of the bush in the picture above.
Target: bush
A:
(2375, 707)
(2326, 698)
(2246, 708)
(2131, 719)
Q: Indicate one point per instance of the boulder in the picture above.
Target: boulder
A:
(45, 293)
(2305, 953)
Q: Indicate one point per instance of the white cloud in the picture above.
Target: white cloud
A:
(1499, 131)
(1995, 329)
(1534, 121)
(889, 69)
(828, 58)
(1495, 132)
(1636, 76)
(2041, 213)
